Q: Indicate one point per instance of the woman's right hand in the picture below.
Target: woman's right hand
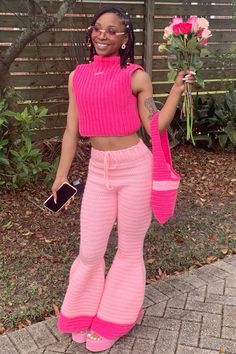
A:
(57, 183)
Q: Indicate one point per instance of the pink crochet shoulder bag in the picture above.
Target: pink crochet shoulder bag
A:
(165, 179)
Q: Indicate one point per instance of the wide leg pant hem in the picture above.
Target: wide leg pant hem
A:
(73, 324)
(112, 330)
(101, 327)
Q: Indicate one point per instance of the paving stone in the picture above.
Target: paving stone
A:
(191, 278)
(206, 275)
(217, 343)
(197, 294)
(23, 341)
(204, 307)
(230, 291)
(6, 346)
(144, 332)
(230, 282)
(216, 287)
(41, 334)
(229, 316)
(180, 284)
(230, 259)
(184, 315)
(229, 268)
(218, 272)
(221, 299)
(157, 310)
(189, 333)
(115, 350)
(123, 345)
(143, 346)
(166, 342)
(155, 295)
(76, 348)
(147, 302)
(178, 301)
(52, 325)
(125, 342)
(161, 323)
(211, 325)
(60, 347)
(192, 350)
(166, 289)
(229, 332)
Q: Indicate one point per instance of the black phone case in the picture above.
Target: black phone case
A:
(64, 193)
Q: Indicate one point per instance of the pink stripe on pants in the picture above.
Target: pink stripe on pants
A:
(118, 187)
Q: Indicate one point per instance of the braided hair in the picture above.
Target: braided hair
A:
(127, 54)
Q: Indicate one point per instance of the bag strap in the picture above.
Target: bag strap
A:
(160, 149)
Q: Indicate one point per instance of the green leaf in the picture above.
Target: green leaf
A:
(231, 132)
(200, 80)
(222, 139)
(192, 44)
(4, 161)
(15, 153)
(204, 52)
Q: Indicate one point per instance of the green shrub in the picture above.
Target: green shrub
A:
(218, 120)
(214, 123)
(20, 160)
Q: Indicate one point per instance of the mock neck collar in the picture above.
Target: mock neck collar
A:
(115, 59)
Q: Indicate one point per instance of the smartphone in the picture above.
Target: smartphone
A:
(64, 193)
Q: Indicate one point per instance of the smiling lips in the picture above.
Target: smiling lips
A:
(101, 45)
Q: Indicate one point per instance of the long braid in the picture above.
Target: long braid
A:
(127, 54)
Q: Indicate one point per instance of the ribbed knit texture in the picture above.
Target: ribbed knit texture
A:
(105, 103)
(165, 178)
(111, 305)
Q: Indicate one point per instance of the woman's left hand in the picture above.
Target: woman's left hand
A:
(182, 78)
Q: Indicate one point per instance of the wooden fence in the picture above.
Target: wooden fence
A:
(40, 73)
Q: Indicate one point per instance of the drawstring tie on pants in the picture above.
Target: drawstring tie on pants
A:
(107, 159)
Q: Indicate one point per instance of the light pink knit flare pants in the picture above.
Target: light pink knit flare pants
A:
(118, 187)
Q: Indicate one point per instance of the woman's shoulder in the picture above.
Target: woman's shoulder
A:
(134, 67)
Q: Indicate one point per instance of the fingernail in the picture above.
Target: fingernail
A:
(192, 72)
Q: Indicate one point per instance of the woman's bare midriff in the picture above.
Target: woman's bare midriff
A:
(108, 143)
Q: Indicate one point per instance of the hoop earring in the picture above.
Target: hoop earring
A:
(123, 46)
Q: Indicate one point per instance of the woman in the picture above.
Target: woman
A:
(109, 99)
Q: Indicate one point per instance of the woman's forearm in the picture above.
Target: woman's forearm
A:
(167, 113)
(69, 144)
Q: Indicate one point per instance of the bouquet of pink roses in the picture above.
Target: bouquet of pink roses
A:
(187, 42)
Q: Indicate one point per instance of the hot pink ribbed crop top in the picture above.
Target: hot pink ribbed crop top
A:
(105, 103)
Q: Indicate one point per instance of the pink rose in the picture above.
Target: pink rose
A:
(204, 42)
(182, 28)
(194, 21)
(199, 33)
(206, 33)
(168, 31)
(202, 22)
(176, 20)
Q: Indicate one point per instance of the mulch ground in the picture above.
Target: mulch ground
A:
(37, 247)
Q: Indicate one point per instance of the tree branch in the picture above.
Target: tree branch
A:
(37, 26)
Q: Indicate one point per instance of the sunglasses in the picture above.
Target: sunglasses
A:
(110, 32)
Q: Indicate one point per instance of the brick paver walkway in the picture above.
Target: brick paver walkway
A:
(192, 313)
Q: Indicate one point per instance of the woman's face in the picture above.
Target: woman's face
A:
(108, 41)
